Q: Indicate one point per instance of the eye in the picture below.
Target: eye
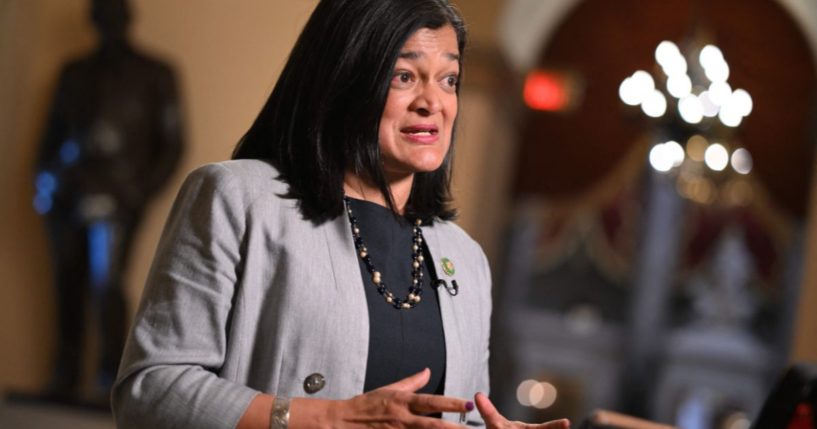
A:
(450, 82)
(402, 79)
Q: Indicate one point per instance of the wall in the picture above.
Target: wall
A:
(805, 340)
(227, 59)
(33, 41)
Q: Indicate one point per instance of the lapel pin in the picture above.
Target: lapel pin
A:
(448, 267)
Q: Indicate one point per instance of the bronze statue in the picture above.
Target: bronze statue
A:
(112, 140)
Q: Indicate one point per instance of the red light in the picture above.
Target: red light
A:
(803, 417)
(545, 91)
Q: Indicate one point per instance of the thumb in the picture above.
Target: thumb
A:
(487, 410)
(411, 383)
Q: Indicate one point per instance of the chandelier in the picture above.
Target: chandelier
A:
(697, 112)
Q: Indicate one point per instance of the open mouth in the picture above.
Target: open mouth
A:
(420, 131)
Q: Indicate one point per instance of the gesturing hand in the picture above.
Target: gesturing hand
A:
(397, 406)
(494, 420)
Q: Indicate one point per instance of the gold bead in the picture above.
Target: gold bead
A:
(389, 299)
(420, 258)
(418, 222)
(415, 248)
(357, 230)
(376, 277)
(415, 264)
(406, 305)
(363, 253)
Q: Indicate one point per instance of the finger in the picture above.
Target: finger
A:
(426, 404)
(487, 410)
(411, 383)
(422, 422)
(554, 424)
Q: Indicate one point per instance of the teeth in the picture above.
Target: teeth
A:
(420, 133)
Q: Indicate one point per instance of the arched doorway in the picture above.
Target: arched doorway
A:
(589, 163)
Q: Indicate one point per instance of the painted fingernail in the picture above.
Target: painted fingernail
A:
(469, 406)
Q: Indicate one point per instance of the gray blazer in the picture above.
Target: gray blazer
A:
(244, 296)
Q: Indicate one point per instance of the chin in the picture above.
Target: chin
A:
(407, 170)
(430, 162)
(419, 162)
(427, 166)
(430, 168)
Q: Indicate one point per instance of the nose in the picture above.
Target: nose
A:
(428, 100)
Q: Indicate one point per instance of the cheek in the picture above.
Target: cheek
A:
(450, 117)
(390, 119)
(386, 131)
(396, 106)
(451, 109)
(387, 137)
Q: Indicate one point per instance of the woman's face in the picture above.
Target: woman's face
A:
(418, 120)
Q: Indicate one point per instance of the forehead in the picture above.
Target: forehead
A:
(440, 41)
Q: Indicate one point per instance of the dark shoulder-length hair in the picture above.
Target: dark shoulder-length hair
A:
(323, 115)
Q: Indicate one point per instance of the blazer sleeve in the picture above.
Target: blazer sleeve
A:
(483, 377)
(169, 371)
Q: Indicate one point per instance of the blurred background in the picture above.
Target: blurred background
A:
(640, 174)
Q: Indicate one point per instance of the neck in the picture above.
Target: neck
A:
(113, 47)
(356, 186)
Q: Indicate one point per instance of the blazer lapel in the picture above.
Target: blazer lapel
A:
(349, 285)
(439, 249)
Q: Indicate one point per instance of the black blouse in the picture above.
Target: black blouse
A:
(401, 342)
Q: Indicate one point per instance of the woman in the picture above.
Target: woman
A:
(293, 285)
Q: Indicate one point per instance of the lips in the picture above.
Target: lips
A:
(421, 134)
(420, 130)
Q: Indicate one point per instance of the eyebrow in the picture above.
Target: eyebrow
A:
(413, 55)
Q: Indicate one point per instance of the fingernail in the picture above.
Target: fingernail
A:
(469, 406)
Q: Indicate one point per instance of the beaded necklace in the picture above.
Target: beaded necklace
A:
(416, 288)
